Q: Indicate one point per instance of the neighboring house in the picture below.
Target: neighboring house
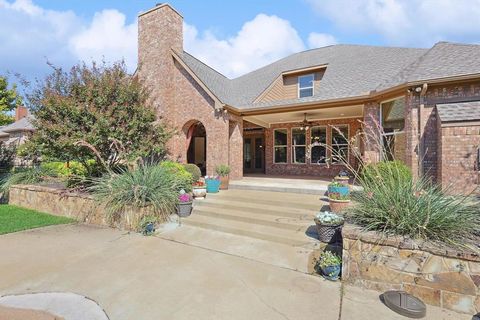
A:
(19, 131)
(426, 100)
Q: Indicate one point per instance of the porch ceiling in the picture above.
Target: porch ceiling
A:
(265, 120)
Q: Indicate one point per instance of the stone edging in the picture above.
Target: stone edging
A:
(353, 232)
(61, 192)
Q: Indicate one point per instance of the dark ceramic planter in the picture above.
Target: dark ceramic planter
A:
(328, 233)
(184, 209)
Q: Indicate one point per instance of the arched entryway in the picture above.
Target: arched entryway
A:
(196, 144)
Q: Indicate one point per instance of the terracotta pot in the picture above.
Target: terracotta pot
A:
(224, 183)
(338, 206)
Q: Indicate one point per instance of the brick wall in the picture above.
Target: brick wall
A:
(320, 170)
(458, 155)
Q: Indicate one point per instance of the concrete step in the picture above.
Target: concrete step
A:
(264, 199)
(280, 208)
(288, 223)
(296, 237)
(239, 185)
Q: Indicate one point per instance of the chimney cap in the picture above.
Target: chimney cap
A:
(158, 6)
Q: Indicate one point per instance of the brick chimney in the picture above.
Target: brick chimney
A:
(20, 112)
(160, 30)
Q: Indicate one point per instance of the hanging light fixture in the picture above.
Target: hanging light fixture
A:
(305, 123)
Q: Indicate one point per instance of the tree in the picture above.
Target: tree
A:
(9, 100)
(95, 111)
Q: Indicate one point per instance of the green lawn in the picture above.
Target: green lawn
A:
(14, 218)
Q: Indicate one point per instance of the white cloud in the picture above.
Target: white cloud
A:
(30, 35)
(405, 22)
(109, 37)
(260, 41)
(317, 40)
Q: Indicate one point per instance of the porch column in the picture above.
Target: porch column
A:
(372, 132)
(235, 147)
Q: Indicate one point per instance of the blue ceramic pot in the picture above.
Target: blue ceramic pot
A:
(213, 185)
(343, 190)
(332, 272)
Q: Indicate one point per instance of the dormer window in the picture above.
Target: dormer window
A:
(305, 85)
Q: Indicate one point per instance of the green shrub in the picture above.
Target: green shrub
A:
(328, 258)
(64, 169)
(148, 186)
(32, 175)
(185, 178)
(7, 157)
(384, 169)
(393, 203)
(222, 170)
(194, 171)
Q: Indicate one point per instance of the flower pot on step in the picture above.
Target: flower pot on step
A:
(338, 206)
(224, 183)
(184, 209)
(328, 233)
(199, 192)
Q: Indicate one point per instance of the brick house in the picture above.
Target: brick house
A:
(267, 121)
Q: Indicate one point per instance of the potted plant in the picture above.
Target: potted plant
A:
(338, 202)
(329, 226)
(330, 265)
(199, 190)
(342, 177)
(213, 183)
(147, 225)
(223, 171)
(338, 187)
(184, 207)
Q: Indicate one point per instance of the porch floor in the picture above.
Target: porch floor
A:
(292, 184)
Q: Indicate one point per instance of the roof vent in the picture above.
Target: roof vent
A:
(159, 4)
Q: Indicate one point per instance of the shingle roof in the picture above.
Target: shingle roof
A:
(23, 124)
(352, 71)
(456, 112)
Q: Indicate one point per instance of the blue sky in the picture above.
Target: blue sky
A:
(233, 36)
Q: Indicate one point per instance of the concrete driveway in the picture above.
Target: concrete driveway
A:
(136, 277)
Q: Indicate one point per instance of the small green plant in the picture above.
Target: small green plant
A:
(328, 258)
(336, 184)
(338, 196)
(194, 170)
(65, 169)
(31, 175)
(222, 170)
(329, 218)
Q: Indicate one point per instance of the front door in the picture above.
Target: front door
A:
(253, 154)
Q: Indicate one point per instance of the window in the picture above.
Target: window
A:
(340, 144)
(305, 86)
(318, 149)
(280, 146)
(392, 115)
(298, 145)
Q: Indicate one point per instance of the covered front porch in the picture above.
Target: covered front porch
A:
(304, 145)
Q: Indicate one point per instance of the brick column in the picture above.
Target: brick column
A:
(235, 147)
(412, 105)
(371, 129)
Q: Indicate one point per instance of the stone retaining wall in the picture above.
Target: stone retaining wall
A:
(61, 202)
(441, 277)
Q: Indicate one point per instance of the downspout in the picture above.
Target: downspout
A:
(421, 129)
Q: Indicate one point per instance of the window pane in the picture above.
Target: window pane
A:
(298, 136)
(305, 81)
(305, 93)
(393, 115)
(339, 154)
(339, 135)
(298, 154)
(394, 147)
(319, 154)
(318, 135)
(280, 137)
(280, 155)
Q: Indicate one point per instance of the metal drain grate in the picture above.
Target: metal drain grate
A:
(405, 304)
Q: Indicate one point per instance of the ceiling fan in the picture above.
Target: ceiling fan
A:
(305, 123)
